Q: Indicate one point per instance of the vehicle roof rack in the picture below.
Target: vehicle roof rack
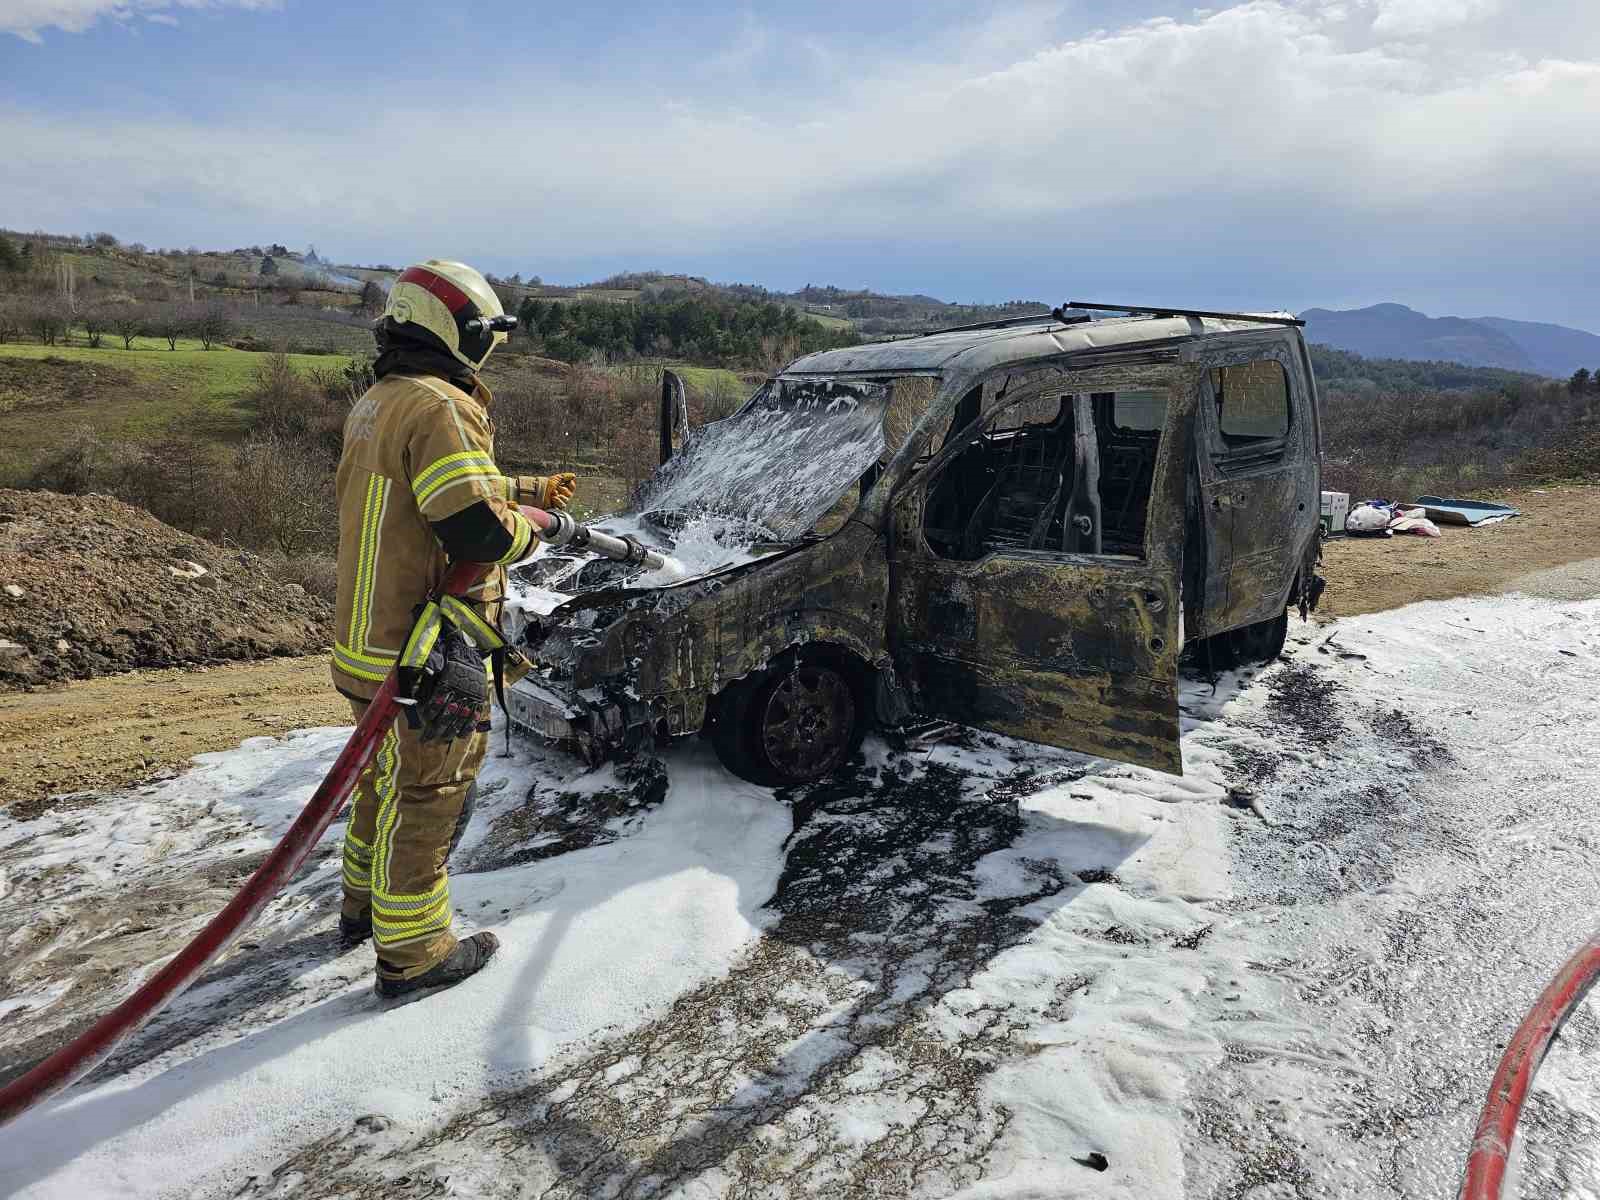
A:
(1162, 311)
(1002, 323)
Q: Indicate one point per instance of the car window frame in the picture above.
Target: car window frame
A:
(1169, 376)
(1267, 452)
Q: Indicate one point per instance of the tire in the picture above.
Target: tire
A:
(794, 723)
(729, 727)
(1250, 645)
(1258, 643)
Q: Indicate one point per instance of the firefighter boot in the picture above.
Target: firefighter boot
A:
(355, 930)
(468, 958)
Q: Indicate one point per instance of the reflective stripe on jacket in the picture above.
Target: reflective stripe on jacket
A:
(416, 449)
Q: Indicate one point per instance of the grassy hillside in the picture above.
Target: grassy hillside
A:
(47, 393)
(1344, 371)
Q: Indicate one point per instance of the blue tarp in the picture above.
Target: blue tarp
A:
(1465, 512)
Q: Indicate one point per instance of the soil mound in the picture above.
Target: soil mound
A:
(90, 585)
(53, 383)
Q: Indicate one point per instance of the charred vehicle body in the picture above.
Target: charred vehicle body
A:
(1016, 527)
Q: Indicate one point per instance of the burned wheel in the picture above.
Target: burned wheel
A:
(1247, 646)
(1258, 643)
(797, 723)
(805, 722)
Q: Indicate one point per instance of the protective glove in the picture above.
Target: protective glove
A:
(547, 491)
(453, 699)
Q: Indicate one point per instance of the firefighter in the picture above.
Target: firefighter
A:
(418, 489)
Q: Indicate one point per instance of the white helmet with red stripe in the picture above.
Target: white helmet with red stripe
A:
(452, 303)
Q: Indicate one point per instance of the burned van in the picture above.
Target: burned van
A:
(1018, 527)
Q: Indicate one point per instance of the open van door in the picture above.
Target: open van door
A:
(1035, 560)
(673, 415)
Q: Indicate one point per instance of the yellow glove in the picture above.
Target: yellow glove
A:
(560, 489)
(547, 491)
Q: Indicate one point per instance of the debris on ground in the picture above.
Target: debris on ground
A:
(1381, 518)
(90, 585)
(1466, 512)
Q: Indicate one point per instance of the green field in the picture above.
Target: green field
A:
(707, 378)
(46, 392)
(826, 321)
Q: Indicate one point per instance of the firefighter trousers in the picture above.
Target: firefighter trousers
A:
(404, 814)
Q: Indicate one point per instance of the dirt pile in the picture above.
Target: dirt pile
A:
(90, 585)
(52, 383)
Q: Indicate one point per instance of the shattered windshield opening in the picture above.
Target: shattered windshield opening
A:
(779, 463)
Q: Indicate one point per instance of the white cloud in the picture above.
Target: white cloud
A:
(1419, 18)
(28, 19)
(1270, 123)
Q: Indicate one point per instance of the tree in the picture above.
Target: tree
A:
(94, 326)
(171, 324)
(268, 266)
(213, 324)
(10, 262)
(128, 323)
(10, 321)
(1579, 383)
(372, 298)
(67, 285)
(48, 321)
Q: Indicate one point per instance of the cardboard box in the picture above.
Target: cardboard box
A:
(1335, 508)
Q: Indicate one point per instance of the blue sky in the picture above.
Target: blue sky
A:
(1441, 153)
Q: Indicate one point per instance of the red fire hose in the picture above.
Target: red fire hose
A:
(72, 1062)
(1491, 1144)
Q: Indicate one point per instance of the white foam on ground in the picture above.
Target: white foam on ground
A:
(599, 937)
(1290, 984)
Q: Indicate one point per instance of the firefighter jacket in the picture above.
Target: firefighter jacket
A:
(417, 449)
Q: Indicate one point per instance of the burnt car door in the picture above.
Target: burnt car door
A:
(1034, 570)
(1255, 460)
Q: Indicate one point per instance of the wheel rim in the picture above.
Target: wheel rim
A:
(806, 723)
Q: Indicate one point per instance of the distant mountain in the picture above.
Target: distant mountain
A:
(1397, 332)
(1555, 349)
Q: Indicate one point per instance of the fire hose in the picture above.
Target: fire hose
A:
(1508, 1092)
(72, 1062)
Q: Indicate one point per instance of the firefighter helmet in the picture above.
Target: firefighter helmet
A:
(450, 306)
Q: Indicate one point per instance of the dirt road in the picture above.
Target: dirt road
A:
(1560, 525)
(121, 730)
